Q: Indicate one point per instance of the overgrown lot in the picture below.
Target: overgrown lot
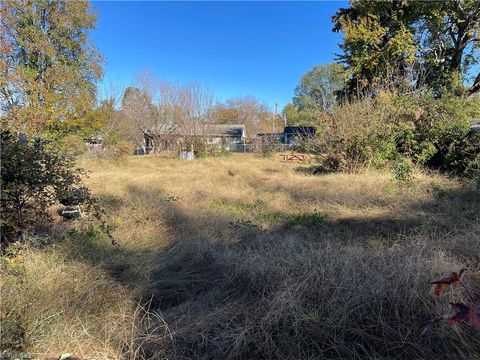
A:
(240, 257)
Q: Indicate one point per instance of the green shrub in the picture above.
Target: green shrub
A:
(402, 170)
(200, 146)
(379, 131)
(354, 136)
(435, 132)
(385, 153)
(309, 219)
(35, 175)
(74, 145)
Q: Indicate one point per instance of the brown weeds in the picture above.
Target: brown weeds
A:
(269, 263)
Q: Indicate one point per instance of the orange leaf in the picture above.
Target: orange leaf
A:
(443, 283)
(439, 287)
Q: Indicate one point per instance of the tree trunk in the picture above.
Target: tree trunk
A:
(475, 87)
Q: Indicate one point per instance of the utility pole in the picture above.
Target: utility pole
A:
(274, 118)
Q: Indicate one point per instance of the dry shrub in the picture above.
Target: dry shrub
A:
(353, 136)
(122, 149)
(378, 131)
(113, 151)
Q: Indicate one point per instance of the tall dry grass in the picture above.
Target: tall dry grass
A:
(241, 257)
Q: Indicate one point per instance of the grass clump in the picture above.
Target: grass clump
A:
(51, 305)
(230, 207)
(288, 297)
(309, 219)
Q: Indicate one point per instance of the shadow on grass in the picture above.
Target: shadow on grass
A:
(462, 208)
(238, 291)
(312, 170)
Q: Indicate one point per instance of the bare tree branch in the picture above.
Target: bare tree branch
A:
(475, 87)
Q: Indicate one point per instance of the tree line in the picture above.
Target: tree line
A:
(402, 92)
(404, 47)
(50, 72)
(191, 108)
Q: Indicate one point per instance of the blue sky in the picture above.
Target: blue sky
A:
(236, 48)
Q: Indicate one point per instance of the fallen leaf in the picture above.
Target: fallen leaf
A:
(442, 284)
(469, 313)
(473, 317)
(458, 312)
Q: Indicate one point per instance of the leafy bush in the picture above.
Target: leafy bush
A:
(74, 145)
(114, 150)
(200, 147)
(435, 132)
(35, 175)
(379, 131)
(402, 170)
(354, 136)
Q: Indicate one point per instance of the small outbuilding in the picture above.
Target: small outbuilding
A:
(228, 137)
(171, 137)
(292, 134)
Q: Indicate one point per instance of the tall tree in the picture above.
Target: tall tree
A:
(423, 43)
(159, 110)
(318, 88)
(451, 46)
(246, 110)
(318, 91)
(48, 66)
(139, 112)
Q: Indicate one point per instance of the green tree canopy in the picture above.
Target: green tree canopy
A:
(48, 66)
(318, 88)
(433, 44)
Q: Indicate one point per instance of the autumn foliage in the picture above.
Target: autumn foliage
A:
(468, 312)
(443, 283)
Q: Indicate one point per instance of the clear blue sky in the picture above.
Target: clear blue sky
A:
(236, 48)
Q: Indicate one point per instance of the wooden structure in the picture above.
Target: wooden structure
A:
(292, 157)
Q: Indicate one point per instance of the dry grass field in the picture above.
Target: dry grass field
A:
(241, 257)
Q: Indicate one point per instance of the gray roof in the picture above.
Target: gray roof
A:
(228, 130)
(207, 129)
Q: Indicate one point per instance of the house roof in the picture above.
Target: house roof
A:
(228, 130)
(207, 129)
(299, 130)
(270, 134)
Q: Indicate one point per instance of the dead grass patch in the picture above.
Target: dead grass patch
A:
(266, 263)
